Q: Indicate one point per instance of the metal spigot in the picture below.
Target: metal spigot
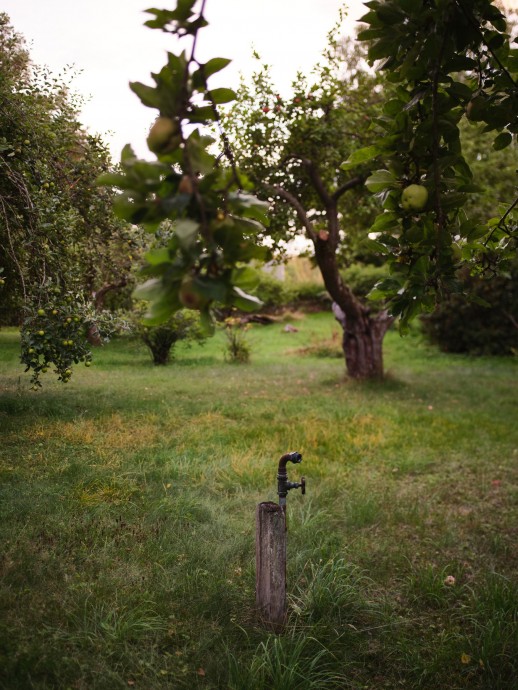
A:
(283, 484)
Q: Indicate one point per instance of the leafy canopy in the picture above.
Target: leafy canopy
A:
(449, 60)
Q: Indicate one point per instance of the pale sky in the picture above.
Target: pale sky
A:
(107, 42)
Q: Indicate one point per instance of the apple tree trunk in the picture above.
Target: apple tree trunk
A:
(362, 343)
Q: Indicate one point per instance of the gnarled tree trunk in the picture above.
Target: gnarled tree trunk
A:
(362, 343)
(363, 332)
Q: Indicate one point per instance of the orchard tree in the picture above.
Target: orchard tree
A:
(449, 61)
(61, 248)
(291, 149)
(445, 60)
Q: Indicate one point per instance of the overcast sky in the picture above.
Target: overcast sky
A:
(106, 41)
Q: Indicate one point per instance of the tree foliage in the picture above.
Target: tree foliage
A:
(449, 61)
(291, 146)
(485, 326)
(59, 241)
(216, 223)
(445, 60)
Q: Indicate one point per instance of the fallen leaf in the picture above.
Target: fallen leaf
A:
(465, 658)
(200, 671)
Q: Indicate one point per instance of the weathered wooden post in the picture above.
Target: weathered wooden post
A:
(270, 549)
(270, 556)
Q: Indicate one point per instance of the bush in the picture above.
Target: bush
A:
(465, 326)
(271, 291)
(182, 325)
(279, 293)
(237, 350)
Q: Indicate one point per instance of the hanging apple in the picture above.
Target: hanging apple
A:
(414, 197)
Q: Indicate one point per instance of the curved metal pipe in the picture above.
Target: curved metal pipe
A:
(283, 485)
(289, 457)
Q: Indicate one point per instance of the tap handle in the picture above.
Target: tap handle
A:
(303, 485)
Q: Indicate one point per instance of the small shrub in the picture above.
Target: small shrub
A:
(182, 325)
(309, 292)
(237, 349)
(278, 293)
(271, 291)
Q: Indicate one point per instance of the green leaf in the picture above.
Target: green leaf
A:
(149, 290)
(201, 160)
(244, 301)
(384, 221)
(202, 114)
(147, 94)
(367, 153)
(208, 327)
(249, 206)
(382, 48)
(186, 231)
(205, 71)
(128, 154)
(502, 140)
(221, 95)
(211, 288)
(110, 179)
(246, 278)
(157, 256)
(381, 180)
(476, 233)
(371, 245)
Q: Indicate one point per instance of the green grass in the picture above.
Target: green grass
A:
(127, 502)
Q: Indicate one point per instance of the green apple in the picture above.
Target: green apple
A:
(163, 135)
(414, 197)
(41, 312)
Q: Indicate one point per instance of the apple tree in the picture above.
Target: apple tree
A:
(61, 248)
(291, 148)
(444, 60)
(449, 61)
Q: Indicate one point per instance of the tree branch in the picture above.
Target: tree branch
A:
(350, 184)
(297, 207)
(99, 294)
(315, 178)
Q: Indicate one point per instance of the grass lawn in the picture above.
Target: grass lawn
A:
(127, 504)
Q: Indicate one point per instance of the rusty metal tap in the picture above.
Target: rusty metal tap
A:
(283, 484)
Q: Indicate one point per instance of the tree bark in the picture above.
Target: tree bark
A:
(362, 343)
